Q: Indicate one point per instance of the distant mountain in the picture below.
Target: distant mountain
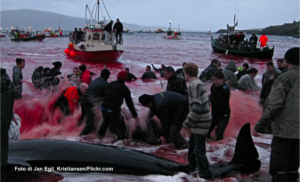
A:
(40, 20)
(287, 29)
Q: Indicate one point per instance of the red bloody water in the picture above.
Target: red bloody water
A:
(41, 120)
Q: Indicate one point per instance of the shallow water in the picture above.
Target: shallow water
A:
(41, 120)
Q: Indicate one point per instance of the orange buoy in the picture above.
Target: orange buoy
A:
(175, 35)
(71, 45)
(72, 54)
(67, 51)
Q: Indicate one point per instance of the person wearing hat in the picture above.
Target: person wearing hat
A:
(240, 73)
(115, 93)
(54, 71)
(118, 28)
(93, 96)
(17, 77)
(171, 108)
(281, 112)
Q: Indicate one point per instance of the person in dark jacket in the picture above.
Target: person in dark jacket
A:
(270, 70)
(46, 71)
(130, 76)
(118, 28)
(161, 70)
(79, 35)
(245, 68)
(280, 65)
(17, 77)
(180, 70)
(7, 104)
(107, 31)
(281, 114)
(253, 41)
(171, 108)
(115, 93)
(219, 98)
(37, 74)
(266, 89)
(148, 74)
(94, 95)
(74, 35)
(69, 99)
(54, 71)
(210, 70)
(240, 73)
(176, 83)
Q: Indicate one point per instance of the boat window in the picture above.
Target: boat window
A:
(96, 36)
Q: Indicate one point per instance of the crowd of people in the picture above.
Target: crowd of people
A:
(181, 106)
(238, 39)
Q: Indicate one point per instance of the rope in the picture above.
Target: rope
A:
(106, 9)
(14, 130)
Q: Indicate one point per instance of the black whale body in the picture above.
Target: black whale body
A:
(59, 153)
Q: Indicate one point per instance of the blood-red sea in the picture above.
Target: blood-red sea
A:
(41, 120)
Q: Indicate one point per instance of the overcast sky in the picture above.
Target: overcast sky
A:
(190, 14)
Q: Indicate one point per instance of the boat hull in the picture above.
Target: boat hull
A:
(99, 56)
(38, 38)
(219, 47)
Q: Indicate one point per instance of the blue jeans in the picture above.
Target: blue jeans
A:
(197, 154)
(221, 123)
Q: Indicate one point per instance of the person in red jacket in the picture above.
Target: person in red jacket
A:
(85, 75)
(263, 40)
(69, 99)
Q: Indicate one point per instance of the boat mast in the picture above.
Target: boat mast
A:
(98, 8)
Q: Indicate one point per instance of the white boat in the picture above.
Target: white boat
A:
(92, 45)
(172, 34)
(209, 31)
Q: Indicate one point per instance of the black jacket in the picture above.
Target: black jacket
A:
(253, 39)
(171, 108)
(162, 73)
(37, 74)
(239, 74)
(108, 27)
(130, 76)
(149, 75)
(207, 73)
(52, 72)
(177, 84)
(118, 27)
(96, 88)
(219, 99)
(115, 93)
(180, 72)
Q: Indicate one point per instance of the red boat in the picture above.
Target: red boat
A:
(92, 45)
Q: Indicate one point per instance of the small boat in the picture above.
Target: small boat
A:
(26, 36)
(209, 31)
(92, 45)
(171, 34)
(48, 33)
(224, 44)
(159, 31)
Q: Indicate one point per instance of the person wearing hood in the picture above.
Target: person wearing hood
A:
(230, 78)
(107, 31)
(118, 28)
(210, 70)
(171, 108)
(93, 96)
(281, 118)
(115, 93)
(17, 77)
(161, 70)
(69, 99)
(270, 70)
(85, 75)
(247, 81)
(176, 83)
